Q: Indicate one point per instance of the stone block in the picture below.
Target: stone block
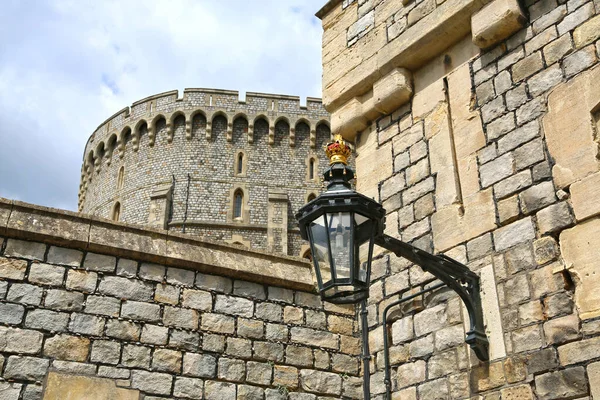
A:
(47, 320)
(167, 294)
(271, 312)
(123, 330)
(106, 352)
(268, 351)
(64, 256)
(214, 390)
(86, 324)
(100, 305)
(579, 351)
(252, 328)
(581, 193)
(140, 311)
(487, 377)
(579, 61)
(197, 299)
(239, 348)
(320, 382)
(136, 356)
(126, 288)
(218, 323)
(513, 234)
(496, 170)
(299, 356)
(588, 32)
(127, 268)
(276, 332)
(402, 330)
(231, 370)
(521, 392)
(24, 294)
(151, 382)
(393, 90)
(152, 272)
(180, 317)
(181, 277)
(10, 391)
(190, 341)
(411, 373)
(234, 306)
(11, 314)
(448, 337)
(545, 250)
(189, 388)
(46, 274)
(527, 66)
(26, 368)
(20, 340)
(593, 371)
(554, 218)
(311, 337)
(280, 294)
(578, 247)
(570, 142)
(99, 263)
(24, 249)
(249, 289)
(526, 339)
(65, 347)
(259, 373)
(82, 281)
(12, 268)
(285, 376)
(568, 383)
(63, 300)
(349, 118)
(199, 365)
(154, 334)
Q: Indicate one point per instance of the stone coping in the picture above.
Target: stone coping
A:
(89, 233)
(330, 5)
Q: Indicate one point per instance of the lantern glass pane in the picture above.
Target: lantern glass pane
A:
(320, 249)
(339, 226)
(362, 244)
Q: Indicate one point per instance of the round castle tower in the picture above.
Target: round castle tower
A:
(209, 164)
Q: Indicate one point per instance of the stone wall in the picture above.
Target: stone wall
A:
(94, 309)
(189, 149)
(491, 156)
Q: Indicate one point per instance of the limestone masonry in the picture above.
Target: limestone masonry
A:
(476, 125)
(179, 163)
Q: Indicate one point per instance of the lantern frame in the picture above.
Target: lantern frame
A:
(340, 198)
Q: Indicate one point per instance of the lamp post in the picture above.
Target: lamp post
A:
(343, 226)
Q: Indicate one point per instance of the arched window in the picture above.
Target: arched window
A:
(240, 163)
(238, 199)
(311, 197)
(121, 178)
(116, 214)
(311, 169)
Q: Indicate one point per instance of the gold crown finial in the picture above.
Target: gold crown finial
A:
(338, 151)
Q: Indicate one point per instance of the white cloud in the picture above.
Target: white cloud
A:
(67, 65)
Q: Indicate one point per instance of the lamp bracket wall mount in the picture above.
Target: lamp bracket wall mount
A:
(457, 277)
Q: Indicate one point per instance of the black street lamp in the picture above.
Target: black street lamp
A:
(343, 226)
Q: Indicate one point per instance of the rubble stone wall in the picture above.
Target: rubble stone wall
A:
(102, 310)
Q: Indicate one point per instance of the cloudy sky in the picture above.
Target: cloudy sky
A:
(67, 65)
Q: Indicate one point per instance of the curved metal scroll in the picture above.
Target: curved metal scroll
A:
(457, 277)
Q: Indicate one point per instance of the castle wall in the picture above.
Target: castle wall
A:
(491, 157)
(162, 140)
(94, 309)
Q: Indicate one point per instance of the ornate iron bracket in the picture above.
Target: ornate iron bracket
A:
(457, 277)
